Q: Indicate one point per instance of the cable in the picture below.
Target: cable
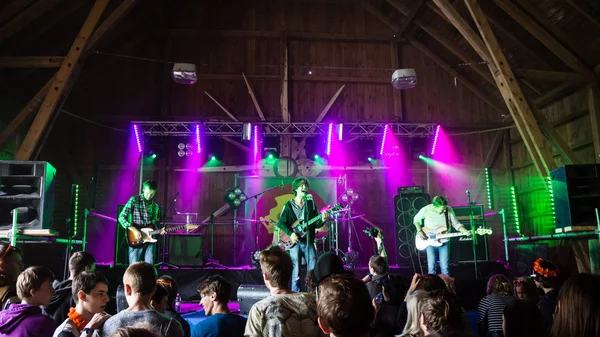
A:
(482, 131)
(90, 121)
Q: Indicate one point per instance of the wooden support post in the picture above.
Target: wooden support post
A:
(61, 81)
(31, 62)
(594, 108)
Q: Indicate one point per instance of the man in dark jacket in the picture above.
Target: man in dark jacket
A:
(63, 297)
(302, 207)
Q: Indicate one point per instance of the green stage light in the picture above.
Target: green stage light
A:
(271, 156)
(370, 159)
(421, 156)
(213, 158)
(316, 156)
(153, 156)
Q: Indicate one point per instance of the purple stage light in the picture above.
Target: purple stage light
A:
(198, 147)
(385, 131)
(435, 138)
(137, 137)
(255, 142)
(340, 131)
(330, 130)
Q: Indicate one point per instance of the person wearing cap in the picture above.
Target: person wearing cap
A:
(546, 277)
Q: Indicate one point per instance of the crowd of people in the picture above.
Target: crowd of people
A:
(337, 303)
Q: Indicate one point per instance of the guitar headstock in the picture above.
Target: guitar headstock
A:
(483, 231)
(331, 209)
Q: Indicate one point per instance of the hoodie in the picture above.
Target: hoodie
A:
(61, 302)
(25, 320)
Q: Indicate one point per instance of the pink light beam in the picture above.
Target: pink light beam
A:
(198, 147)
(385, 131)
(435, 138)
(137, 137)
(330, 130)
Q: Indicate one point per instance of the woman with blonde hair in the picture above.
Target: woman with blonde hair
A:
(413, 322)
(491, 307)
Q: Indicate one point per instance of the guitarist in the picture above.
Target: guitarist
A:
(141, 211)
(436, 217)
(301, 207)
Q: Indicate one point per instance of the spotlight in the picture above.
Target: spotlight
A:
(421, 156)
(213, 158)
(137, 137)
(317, 156)
(188, 146)
(350, 196)
(404, 78)
(270, 156)
(181, 153)
(370, 159)
(181, 146)
(153, 156)
(184, 73)
(246, 131)
(235, 197)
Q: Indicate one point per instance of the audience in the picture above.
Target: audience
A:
(159, 301)
(90, 292)
(525, 290)
(140, 330)
(522, 319)
(214, 293)
(412, 328)
(139, 282)
(578, 308)
(283, 312)
(491, 307)
(11, 266)
(34, 288)
(441, 314)
(546, 277)
(171, 285)
(449, 282)
(378, 269)
(385, 324)
(344, 307)
(62, 300)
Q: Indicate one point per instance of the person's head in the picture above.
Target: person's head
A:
(545, 274)
(413, 318)
(525, 290)
(522, 319)
(214, 293)
(276, 266)
(34, 285)
(440, 203)
(81, 261)
(344, 306)
(11, 264)
(160, 299)
(149, 189)
(431, 282)
(300, 186)
(578, 307)
(140, 279)
(440, 311)
(499, 284)
(449, 282)
(171, 285)
(378, 265)
(327, 264)
(90, 291)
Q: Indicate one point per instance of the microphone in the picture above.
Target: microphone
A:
(175, 198)
(309, 197)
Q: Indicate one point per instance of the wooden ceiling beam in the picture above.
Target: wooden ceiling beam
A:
(31, 61)
(32, 12)
(12, 9)
(585, 12)
(559, 92)
(274, 34)
(570, 59)
(409, 19)
(377, 13)
(550, 76)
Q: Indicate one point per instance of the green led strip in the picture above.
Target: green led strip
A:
(489, 188)
(515, 208)
(75, 192)
(551, 194)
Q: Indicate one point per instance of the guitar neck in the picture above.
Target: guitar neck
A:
(170, 229)
(449, 235)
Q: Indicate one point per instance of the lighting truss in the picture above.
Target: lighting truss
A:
(219, 128)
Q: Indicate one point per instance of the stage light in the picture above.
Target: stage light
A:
(316, 156)
(435, 138)
(213, 158)
(385, 131)
(340, 131)
(246, 131)
(255, 143)
(489, 188)
(329, 132)
(350, 196)
(184, 73)
(181, 153)
(271, 156)
(75, 208)
(421, 157)
(153, 156)
(181, 146)
(198, 148)
(137, 137)
(551, 194)
(515, 209)
(234, 197)
(370, 159)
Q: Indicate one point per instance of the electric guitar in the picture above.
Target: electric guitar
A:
(301, 227)
(148, 231)
(438, 239)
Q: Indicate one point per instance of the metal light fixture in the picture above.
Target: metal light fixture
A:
(350, 196)
(235, 197)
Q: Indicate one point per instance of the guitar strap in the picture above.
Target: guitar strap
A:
(447, 221)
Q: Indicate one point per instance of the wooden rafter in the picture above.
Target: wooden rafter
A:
(222, 107)
(377, 13)
(274, 34)
(409, 19)
(32, 12)
(570, 59)
(558, 92)
(256, 105)
(550, 76)
(584, 12)
(61, 82)
(31, 61)
(12, 9)
(594, 108)
(507, 84)
(229, 139)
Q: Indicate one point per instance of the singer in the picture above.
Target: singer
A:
(141, 211)
(436, 218)
(302, 207)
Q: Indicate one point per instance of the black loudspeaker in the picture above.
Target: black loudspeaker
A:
(186, 249)
(121, 247)
(576, 196)
(461, 249)
(248, 294)
(406, 206)
(27, 186)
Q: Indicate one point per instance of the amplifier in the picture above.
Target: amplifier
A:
(248, 294)
(411, 189)
(462, 212)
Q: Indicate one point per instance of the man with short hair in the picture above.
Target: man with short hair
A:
(90, 292)
(34, 288)
(283, 313)
(378, 270)
(63, 298)
(141, 211)
(344, 307)
(441, 313)
(214, 296)
(139, 282)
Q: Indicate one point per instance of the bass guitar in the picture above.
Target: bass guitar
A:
(437, 239)
(147, 233)
(300, 227)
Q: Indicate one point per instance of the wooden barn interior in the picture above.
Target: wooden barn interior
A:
(506, 89)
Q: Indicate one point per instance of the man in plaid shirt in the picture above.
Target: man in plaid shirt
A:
(141, 211)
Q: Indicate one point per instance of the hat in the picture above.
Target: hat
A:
(327, 264)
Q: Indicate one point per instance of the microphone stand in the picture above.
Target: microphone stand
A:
(473, 236)
(164, 239)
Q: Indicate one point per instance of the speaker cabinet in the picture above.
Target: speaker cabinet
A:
(406, 206)
(576, 196)
(186, 249)
(27, 186)
(248, 294)
(461, 249)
